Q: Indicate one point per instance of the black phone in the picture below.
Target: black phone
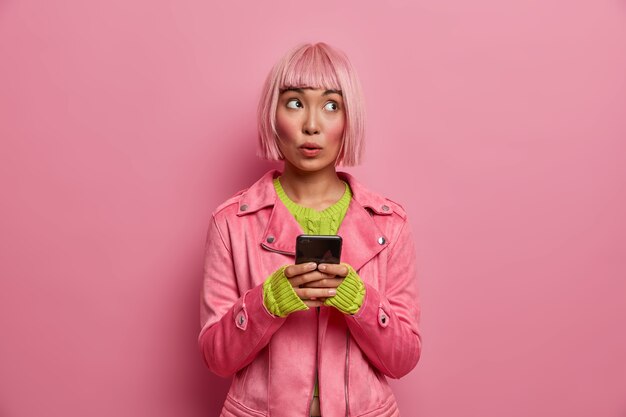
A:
(320, 249)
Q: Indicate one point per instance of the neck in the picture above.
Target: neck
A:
(312, 189)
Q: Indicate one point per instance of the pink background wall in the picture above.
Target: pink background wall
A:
(499, 125)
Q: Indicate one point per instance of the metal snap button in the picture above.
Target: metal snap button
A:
(381, 240)
(241, 320)
(243, 207)
(383, 318)
(385, 208)
(270, 239)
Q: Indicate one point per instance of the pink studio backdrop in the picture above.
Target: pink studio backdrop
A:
(500, 126)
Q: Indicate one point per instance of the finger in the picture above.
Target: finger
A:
(308, 293)
(295, 270)
(341, 270)
(322, 299)
(313, 303)
(311, 276)
(323, 283)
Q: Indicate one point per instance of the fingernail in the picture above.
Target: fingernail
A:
(312, 265)
(322, 267)
(332, 292)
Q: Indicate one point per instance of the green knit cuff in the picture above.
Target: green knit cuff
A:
(350, 293)
(278, 295)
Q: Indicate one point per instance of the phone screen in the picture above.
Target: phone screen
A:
(318, 248)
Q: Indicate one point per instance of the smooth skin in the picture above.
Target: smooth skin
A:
(306, 116)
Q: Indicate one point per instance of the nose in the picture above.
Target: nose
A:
(311, 124)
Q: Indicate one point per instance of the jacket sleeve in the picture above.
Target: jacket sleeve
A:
(235, 326)
(386, 326)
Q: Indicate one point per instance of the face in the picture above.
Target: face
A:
(310, 125)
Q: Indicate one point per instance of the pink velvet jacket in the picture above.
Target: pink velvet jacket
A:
(274, 360)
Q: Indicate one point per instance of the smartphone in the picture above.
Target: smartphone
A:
(318, 248)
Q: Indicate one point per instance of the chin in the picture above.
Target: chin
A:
(312, 165)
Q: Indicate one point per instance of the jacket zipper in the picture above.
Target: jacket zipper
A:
(346, 375)
(315, 376)
(312, 395)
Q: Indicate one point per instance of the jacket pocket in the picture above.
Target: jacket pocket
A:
(233, 408)
(367, 388)
(250, 385)
(388, 409)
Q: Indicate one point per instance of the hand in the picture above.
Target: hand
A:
(315, 283)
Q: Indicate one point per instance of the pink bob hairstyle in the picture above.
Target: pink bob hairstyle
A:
(314, 66)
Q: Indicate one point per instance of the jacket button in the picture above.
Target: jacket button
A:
(241, 321)
(243, 207)
(270, 239)
(385, 208)
(381, 240)
(383, 318)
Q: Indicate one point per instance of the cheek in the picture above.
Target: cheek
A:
(335, 130)
(284, 127)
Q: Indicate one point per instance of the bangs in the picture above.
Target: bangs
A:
(313, 68)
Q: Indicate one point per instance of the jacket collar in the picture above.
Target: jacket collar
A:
(362, 238)
(262, 194)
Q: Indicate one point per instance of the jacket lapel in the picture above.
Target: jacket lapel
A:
(362, 238)
(282, 230)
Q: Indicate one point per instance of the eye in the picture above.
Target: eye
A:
(331, 106)
(294, 103)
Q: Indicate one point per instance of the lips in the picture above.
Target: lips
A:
(310, 146)
(310, 149)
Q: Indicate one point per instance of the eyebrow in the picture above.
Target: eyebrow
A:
(327, 92)
(301, 90)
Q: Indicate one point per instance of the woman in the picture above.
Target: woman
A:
(258, 317)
